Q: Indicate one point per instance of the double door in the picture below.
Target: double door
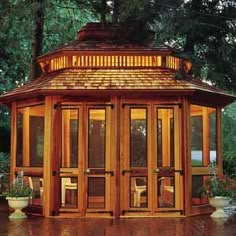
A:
(82, 169)
(151, 171)
(148, 180)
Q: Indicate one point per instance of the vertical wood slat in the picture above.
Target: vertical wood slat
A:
(113, 61)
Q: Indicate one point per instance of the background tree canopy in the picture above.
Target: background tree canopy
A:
(204, 31)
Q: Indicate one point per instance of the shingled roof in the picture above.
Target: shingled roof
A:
(120, 80)
(90, 64)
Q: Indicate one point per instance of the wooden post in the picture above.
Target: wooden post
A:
(26, 137)
(13, 139)
(47, 170)
(219, 139)
(115, 155)
(186, 154)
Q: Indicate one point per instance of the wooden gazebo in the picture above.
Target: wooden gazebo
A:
(115, 128)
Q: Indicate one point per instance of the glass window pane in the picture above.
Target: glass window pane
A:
(197, 195)
(70, 135)
(197, 135)
(36, 140)
(96, 192)
(213, 136)
(69, 192)
(97, 134)
(138, 192)
(165, 137)
(138, 137)
(74, 142)
(19, 146)
(165, 188)
(159, 142)
(36, 184)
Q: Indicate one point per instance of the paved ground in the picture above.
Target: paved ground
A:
(191, 226)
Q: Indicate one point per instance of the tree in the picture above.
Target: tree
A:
(205, 30)
(37, 41)
(229, 139)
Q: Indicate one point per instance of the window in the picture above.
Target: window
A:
(70, 136)
(203, 135)
(203, 148)
(196, 138)
(30, 123)
(138, 137)
(97, 134)
(165, 137)
(19, 146)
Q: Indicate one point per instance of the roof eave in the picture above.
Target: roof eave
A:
(7, 99)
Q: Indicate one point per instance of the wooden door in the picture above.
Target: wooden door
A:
(150, 160)
(98, 172)
(84, 170)
(135, 160)
(167, 171)
(71, 158)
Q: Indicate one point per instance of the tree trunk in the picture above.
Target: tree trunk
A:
(103, 12)
(189, 43)
(115, 15)
(37, 43)
(195, 6)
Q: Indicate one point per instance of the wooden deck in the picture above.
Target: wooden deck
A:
(194, 226)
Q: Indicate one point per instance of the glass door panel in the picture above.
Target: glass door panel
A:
(165, 192)
(138, 158)
(69, 192)
(138, 137)
(69, 187)
(96, 134)
(138, 192)
(70, 137)
(96, 192)
(135, 168)
(165, 137)
(167, 157)
(98, 160)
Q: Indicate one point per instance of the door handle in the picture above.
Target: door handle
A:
(157, 170)
(98, 172)
(126, 171)
(87, 171)
(109, 172)
(66, 172)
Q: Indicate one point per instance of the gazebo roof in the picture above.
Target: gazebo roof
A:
(80, 82)
(101, 61)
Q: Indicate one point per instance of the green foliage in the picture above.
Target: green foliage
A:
(4, 171)
(229, 140)
(206, 31)
(4, 162)
(18, 188)
(219, 185)
(63, 20)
